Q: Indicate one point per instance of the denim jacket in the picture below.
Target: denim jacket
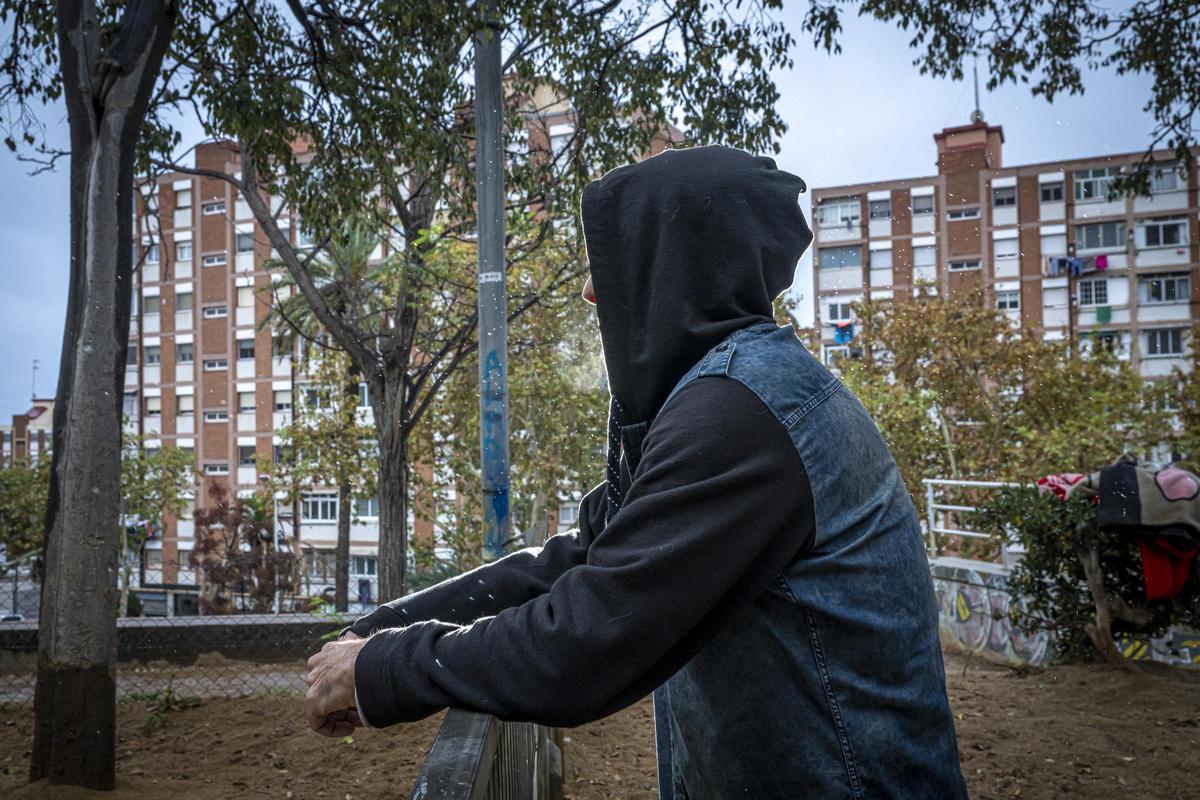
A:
(831, 684)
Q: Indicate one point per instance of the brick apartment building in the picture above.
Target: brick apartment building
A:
(1013, 231)
(27, 437)
(204, 375)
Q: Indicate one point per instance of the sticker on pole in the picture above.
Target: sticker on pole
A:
(491, 277)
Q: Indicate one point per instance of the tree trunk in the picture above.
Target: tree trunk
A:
(106, 96)
(341, 580)
(393, 522)
(1100, 630)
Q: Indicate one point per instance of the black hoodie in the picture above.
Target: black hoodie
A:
(706, 500)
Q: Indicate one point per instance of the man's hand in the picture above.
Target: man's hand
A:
(329, 701)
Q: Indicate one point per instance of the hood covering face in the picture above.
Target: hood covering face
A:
(685, 248)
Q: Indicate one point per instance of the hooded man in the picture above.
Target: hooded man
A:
(753, 557)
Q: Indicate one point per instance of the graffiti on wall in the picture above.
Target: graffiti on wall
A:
(973, 611)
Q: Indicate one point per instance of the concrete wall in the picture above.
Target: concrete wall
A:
(973, 602)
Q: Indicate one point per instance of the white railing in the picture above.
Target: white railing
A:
(935, 515)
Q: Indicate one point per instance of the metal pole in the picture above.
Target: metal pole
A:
(493, 310)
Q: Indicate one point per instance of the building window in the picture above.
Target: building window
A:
(956, 266)
(185, 405)
(183, 301)
(184, 353)
(283, 399)
(922, 204)
(1164, 342)
(1054, 244)
(246, 455)
(245, 242)
(280, 348)
(152, 253)
(1164, 178)
(245, 296)
(1100, 236)
(1004, 196)
(364, 397)
(881, 259)
(151, 304)
(1106, 340)
(131, 356)
(842, 211)
(214, 364)
(366, 507)
(128, 407)
(1008, 301)
(153, 406)
(281, 454)
(924, 256)
(1093, 184)
(1093, 292)
(216, 469)
(213, 260)
(963, 213)
(838, 257)
(1006, 248)
(209, 209)
(1164, 232)
(183, 199)
(839, 312)
(362, 565)
(183, 251)
(216, 416)
(1052, 192)
(245, 348)
(879, 209)
(212, 312)
(319, 508)
(246, 403)
(835, 354)
(1165, 288)
(153, 355)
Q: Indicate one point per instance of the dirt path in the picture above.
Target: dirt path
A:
(1078, 731)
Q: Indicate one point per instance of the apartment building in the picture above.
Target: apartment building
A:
(206, 375)
(28, 436)
(1043, 241)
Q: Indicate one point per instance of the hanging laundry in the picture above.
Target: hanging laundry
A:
(1103, 315)
(843, 332)
(1059, 485)
(1102, 262)
(1161, 507)
(1074, 265)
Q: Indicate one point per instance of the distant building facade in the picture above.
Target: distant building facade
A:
(205, 374)
(28, 436)
(1042, 241)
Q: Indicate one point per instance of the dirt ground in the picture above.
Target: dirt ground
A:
(1071, 731)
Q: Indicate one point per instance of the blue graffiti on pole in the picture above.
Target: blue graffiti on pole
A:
(495, 451)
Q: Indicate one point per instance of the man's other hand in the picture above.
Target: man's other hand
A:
(329, 702)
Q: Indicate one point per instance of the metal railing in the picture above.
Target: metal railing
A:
(937, 525)
(479, 757)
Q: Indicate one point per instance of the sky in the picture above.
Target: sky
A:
(866, 114)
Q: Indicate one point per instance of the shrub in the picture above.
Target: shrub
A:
(1080, 582)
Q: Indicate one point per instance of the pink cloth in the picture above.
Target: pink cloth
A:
(1059, 484)
(1102, 262)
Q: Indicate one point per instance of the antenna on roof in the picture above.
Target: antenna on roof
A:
(35, 369)
(977, 114)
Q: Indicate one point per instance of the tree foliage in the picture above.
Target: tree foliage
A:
(1081, 583)
(558, 402)
(960, 392)
(240, 569)
(23, 488)
(1049, 46)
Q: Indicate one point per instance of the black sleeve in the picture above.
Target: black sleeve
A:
(718, 507)
(506, 582)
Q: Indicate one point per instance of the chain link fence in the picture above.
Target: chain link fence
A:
(165, 645)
